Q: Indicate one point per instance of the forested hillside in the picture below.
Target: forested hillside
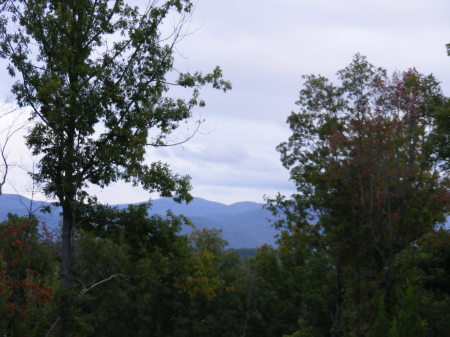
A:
(360, 249)
(243, 224)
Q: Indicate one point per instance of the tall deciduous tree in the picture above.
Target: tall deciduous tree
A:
(95, 74)
(369, 180)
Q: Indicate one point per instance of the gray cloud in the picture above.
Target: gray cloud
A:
(264, 47)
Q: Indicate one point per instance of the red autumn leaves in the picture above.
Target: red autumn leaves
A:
(20, 287)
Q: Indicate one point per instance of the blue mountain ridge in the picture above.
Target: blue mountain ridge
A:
(243, 224)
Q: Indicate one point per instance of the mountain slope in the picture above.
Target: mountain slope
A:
(243, 224)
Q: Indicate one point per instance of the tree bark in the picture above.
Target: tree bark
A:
(66, 323)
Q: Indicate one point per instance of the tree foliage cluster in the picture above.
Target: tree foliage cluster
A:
(140, 277)
(97, 76)
(363, 249)
(369, 159)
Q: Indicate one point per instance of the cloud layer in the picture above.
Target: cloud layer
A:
(263, 48)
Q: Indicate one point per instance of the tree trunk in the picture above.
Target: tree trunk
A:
(336, 317)
(66, 267)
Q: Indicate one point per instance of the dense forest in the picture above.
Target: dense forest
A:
(363, 247)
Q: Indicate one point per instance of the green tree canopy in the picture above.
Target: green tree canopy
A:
(369, 177)
(97, 77)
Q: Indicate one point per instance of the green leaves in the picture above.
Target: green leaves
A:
(97, 85)
(365, 159)
(95, 75)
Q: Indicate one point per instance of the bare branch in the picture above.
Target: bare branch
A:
(85, 290)
(10, 131)
(189, 137)
(52, 327)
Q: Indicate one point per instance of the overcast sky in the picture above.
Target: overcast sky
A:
(264, 47)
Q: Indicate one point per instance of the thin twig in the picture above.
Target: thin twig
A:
(85, 290)
(52, 327)
(156, 144)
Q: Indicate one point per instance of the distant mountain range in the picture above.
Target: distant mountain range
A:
(243, 224)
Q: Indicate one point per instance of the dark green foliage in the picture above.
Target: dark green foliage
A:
(426, 293)
(410, 313)
(78, 84)
(368, 157)
(137, 276)
(96, 75)
(164, 284)
(246, 253)
(441, 136)
(148, 261)
(360, 252)
(73, 86)
(381, 325)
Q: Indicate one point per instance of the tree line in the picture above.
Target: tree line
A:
(363, 249)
